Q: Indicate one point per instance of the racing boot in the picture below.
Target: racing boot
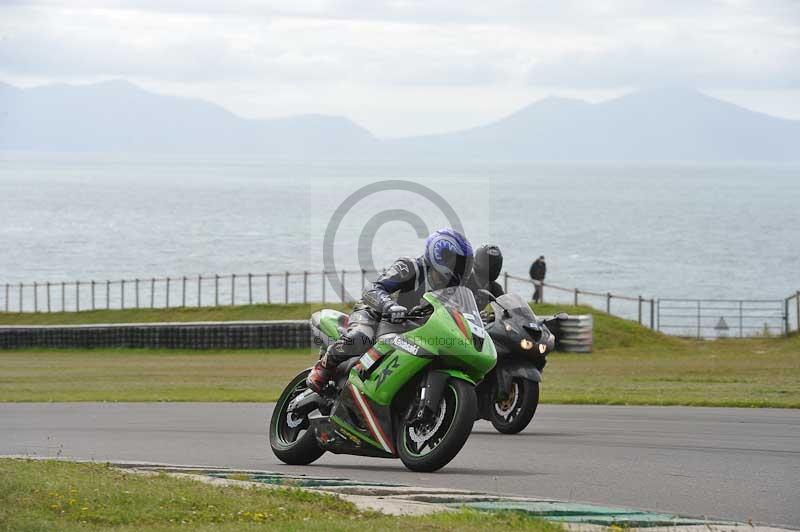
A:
(319, 377)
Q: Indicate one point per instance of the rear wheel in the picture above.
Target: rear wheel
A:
(428, 445)
(290, 438)
(512, 413)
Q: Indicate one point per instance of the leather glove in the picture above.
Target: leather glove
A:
(397, 313)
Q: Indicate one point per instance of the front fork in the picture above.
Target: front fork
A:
(429, 398)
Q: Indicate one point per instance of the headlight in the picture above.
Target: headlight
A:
(526, 344)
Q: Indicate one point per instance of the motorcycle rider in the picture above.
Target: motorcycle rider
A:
(447, 261)
(488, 263)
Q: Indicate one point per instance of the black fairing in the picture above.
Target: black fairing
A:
(514, 321)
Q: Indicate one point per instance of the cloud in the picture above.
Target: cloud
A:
(340, 53)
(725, 44)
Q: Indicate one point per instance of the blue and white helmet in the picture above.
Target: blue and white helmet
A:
(449, 254)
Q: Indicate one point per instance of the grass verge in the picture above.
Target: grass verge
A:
(630, 365)
(50, 495)
(748, 373)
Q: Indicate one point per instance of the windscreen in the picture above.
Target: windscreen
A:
(459, 298)
(516, 306)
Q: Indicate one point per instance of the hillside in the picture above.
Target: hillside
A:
(669, 124)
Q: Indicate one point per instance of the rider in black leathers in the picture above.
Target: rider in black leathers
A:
(447, 261)
(488, 264)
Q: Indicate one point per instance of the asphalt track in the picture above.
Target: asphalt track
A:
(718, 462)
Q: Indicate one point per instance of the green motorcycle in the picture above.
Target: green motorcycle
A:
(412, 395)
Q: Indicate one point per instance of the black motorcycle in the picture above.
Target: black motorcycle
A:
(509, 394)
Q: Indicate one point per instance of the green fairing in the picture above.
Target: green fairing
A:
(460, 358)
(328, 322)
(457, 374)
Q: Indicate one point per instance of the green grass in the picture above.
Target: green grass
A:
(291, 311)
(630, 365)
(50, 495)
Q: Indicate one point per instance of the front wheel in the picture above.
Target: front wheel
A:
(513, 413)
(430, 444)
(291, 439)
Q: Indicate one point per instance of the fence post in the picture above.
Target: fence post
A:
(108, 294)
(233, 289)
(698, 319)
(136, 287)
(785, 316)
(575, 302)
(343, 289)
(183, 292)
(48, 296)
(93, 289)
(363, 274)
(740, 320)
(20, 297)
(286, 288)
(216, 289)
(652, 314)
(269, 299)
(608, 302)
(505, 282)
(658, 323)
(77, 296)
(153, 292)
(63, 294)
(305, 287)
(122, 293)
(323, 285)
(6, 297)
(36, 298)
(640, 309)
(167, 299)
(199, 290)
(797, 302)
(249, 288)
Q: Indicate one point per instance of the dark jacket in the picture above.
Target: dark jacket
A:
(538, 270)
(402, 283)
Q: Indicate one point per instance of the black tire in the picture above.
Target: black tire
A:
(514, 417)
(290, 445)
(460, 409)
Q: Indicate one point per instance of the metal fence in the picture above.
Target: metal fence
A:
(685, 317)
(720, 318)
(184, 291)
(638, 308)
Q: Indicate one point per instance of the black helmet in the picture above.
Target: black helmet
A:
(488, 262)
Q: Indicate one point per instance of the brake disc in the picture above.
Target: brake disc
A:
(420, 436)
(506, 406)
(292, 421)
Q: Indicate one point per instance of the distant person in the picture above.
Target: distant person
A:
(538, 271)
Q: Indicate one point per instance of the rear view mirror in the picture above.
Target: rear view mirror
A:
(561, 316)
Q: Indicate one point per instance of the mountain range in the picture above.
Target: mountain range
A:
(668, 124)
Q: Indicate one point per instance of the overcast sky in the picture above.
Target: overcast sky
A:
(406, 66)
